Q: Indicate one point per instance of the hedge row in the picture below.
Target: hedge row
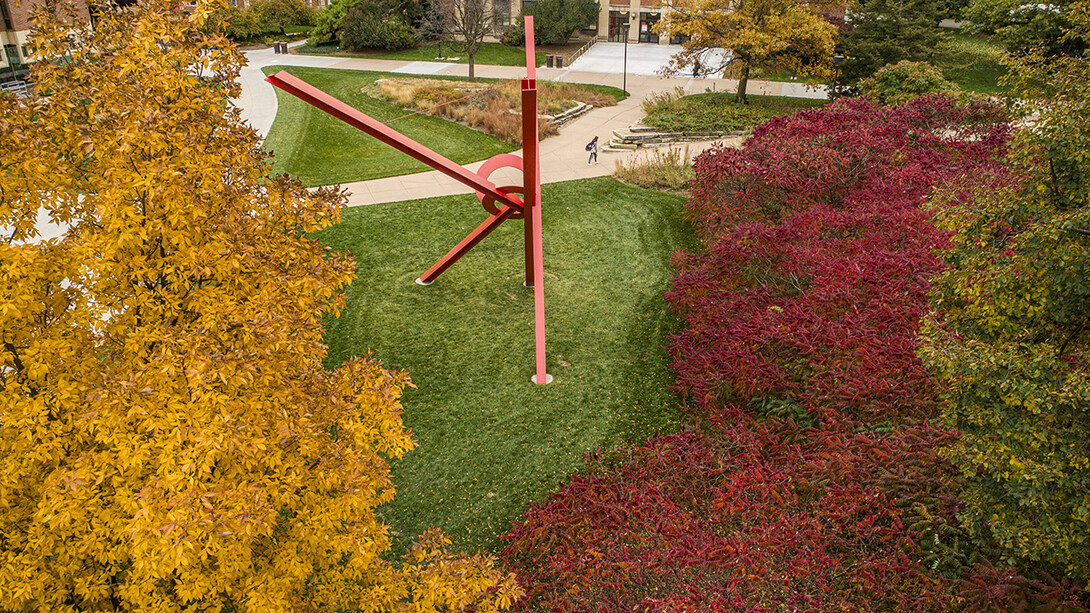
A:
(812, 478)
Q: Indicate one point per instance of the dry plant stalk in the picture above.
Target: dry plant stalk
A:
(492, 108)
(669, 169)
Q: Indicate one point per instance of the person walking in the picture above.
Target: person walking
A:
(592, 146)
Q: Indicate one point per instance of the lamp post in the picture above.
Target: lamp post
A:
(837, 61)
(624, 80)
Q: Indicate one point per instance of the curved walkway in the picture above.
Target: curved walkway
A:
(562, 157)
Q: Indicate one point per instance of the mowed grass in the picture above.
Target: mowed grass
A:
(320, 150)
(494, 54)
(489, 440)
(718, 111)
(974, 62)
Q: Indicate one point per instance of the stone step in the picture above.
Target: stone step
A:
(571, 113)
(621, 145)
(627, 134)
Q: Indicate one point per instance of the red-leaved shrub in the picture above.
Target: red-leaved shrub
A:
(812, 479)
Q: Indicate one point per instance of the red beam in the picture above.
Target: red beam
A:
(531, 173)
(531, 56)
(467, 243)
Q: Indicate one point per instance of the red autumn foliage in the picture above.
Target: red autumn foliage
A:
(811, 480)
(732, 520)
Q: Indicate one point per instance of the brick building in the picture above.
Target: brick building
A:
(14, 28)
(640, 15)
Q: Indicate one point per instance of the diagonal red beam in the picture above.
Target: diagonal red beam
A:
(467, 243)
(316, 97)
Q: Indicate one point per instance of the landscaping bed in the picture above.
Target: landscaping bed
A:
(494, 107)
(717, 111)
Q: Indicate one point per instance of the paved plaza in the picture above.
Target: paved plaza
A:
(643, 60)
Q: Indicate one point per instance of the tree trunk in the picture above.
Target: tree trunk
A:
(742, 82)
(472, 52)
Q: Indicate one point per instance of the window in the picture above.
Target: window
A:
(12, 51)
(501, 15)
(647, 20)
(617, 22)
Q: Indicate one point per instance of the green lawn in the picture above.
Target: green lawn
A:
(489, 440)
(321, 150)
(973, 62)
(493, 54)
(719, 112)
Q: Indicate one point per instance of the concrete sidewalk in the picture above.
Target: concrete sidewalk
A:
(563, 156)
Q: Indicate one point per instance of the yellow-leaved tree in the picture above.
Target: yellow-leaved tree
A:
(788, 35)
(169, 437)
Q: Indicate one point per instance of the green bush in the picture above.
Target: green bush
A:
(556, 20)
(898, 83)
(365, 28)
(240, 24)
(376, 14)
(275, 15)
(515, 36)
(327, 23)
(263, 17)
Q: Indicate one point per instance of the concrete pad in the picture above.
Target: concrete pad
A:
(802, 90)
(424, 68)
(643, 59)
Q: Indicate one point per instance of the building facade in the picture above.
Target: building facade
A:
(635, 18)
(14, 28)
(639, 15)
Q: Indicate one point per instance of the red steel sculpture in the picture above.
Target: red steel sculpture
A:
(501, 202)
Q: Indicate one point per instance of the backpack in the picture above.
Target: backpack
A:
(590, 145)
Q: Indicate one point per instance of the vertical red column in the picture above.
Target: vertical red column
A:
(530, 172)
(529, 146)
(531, 181)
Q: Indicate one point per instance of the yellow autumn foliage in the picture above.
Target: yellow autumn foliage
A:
(777, 35)
(169, 437)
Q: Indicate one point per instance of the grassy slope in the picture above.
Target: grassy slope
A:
(719, 111)
(974, 62)
(489, 440)
(493, 54)
(321, 150)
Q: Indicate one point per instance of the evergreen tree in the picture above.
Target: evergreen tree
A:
(1026, 27)
(888, 31)
(556, 20)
